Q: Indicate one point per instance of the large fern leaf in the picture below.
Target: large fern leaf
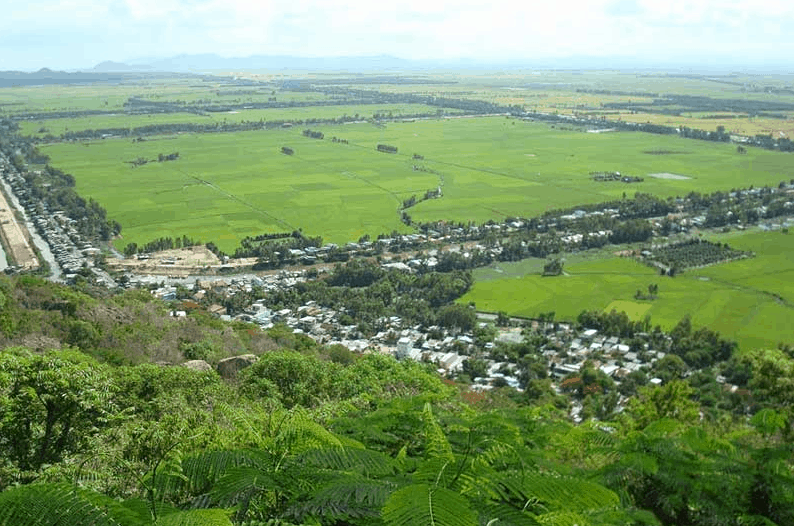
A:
(146, 511)
(364, 461)
(349, 497)
(204, 470)
(62, 504)
(240, 483)
(563, 518)
(425, 505)
(195, 518)
(436, 443)
(551, 492)
(501, 514)
(297, 432)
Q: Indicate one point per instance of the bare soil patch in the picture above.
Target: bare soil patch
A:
(663, 152)
(180, 261)
(665, 175)
(15, 237)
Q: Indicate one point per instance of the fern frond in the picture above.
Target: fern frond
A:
(195, 518)
(436, 443)
(203, 470)
(143, 509)
(425, 505)
(563, 518)
(436, 471)
(664, 428)
(367, 462)
(501, 514)
(623, 517)
(240, 483)
(297, 432)
(557, 493)
(59, 504)
(352, 497)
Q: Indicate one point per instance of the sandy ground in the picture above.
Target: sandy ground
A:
(178, 262)
(15, 237)
(665, 175)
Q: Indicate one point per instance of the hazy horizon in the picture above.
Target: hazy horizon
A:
(78, 34)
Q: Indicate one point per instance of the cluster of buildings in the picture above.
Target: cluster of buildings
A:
(70, 252)
(566, 348)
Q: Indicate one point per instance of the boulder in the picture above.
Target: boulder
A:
(197, 365)
(229, 367)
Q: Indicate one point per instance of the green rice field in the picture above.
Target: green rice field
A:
(228, 186)
(750, 301)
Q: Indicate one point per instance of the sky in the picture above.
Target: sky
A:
(72, 34)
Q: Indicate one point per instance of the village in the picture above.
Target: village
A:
(563, 349)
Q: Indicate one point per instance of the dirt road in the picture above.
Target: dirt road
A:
(15, 237)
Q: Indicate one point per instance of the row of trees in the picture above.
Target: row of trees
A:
(163, 243)
(386, 148)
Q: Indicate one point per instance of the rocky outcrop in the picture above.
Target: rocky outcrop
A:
(229, 367)
(197, 365)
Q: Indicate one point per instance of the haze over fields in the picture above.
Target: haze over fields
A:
(79, 34)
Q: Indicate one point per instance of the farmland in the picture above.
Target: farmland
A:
(56, 127)
(592, 93)
(751, 301)
(227, 186)
(108, 96)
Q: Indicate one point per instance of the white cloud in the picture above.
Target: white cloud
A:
(121, 29)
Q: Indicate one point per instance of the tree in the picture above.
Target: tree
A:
(553, 267)
(475, 368)
(772, 382)
(502, 319)
(51, 405)
(672, 400)
(457, 316)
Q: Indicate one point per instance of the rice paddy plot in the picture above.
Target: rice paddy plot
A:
(343, 191)
(750, 301)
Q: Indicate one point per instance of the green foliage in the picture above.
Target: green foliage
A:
(654, 403)
(457, 316)
(50, 406)
(423, 505)
(60, 504)
(296, 379)
(195, 518)
(293, 378)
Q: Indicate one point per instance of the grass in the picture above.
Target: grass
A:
(751, 301)
(489, 168)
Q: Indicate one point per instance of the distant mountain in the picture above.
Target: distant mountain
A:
(110, 66)
(48, 76)
(210, 62)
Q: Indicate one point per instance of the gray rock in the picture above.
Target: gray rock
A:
(229, 367)
(197, 365)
